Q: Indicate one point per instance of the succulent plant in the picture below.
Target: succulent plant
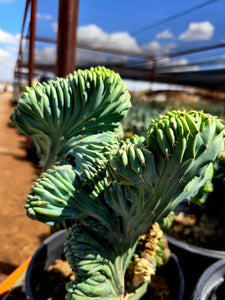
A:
(139, 117)
(59, 114)
(111, 190)
(208, 197)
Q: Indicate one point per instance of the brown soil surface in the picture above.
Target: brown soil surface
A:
(19, 236)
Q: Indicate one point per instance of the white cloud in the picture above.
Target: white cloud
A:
(84, 57)
(166, 62)
(8, 54)
(175, 65)
(55, 27)
(156, 49)
(166, 34)
(44, 16)
(7, 38)
(7, 64)
(168, 47)
(123, 41)
(93, 35)
(46, 55)
(4, 55)
(198, 31)
(12, 48)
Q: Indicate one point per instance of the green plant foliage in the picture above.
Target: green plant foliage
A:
(173, 163)
(115, 190)
(139, 118)
(58, 114)
(92, 152)
(203, 193)
(209, 196)
(143, 111)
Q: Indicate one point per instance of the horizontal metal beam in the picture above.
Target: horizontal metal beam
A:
(100, 49)
(191, 51)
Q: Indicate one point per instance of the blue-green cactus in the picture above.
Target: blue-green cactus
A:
(115, 190)
(58, 114)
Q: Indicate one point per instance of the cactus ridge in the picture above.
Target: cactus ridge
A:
(170, 165)
(56, 115)
(92, 153)
(59, 195)
(103, 251)
(93, 267)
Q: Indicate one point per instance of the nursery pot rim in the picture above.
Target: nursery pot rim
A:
(210, 279)
(219, 254)
(62, 234)
(58, 235)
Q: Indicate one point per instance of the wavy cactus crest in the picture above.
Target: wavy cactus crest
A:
(58, 114)
(117, 190)
(174, 161)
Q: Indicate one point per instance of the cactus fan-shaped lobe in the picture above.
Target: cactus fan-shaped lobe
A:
(56, 115)
(91, 154)
(174, 161)
(52, 196)
(59, 194)
(185, 135)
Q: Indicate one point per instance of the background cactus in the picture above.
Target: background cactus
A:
(115, 190)
(140, 116)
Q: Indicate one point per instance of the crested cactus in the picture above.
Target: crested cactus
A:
(112, 190)
(58, 114)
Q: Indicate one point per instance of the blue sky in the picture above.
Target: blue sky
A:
(11, 15)
(157, 27)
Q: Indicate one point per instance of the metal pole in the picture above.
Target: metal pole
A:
(19, 63)
(67, 37)
(32, 40)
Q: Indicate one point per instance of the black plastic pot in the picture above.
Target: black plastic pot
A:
(194, 261)
(211, 284)
(52, 248)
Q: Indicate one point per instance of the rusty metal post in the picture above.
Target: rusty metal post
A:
(32, 40)
(67, 37)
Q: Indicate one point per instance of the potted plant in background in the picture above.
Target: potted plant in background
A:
(197, 233)
(211, 284)
(108, 192)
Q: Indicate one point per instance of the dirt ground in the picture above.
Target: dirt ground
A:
(19, 236)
